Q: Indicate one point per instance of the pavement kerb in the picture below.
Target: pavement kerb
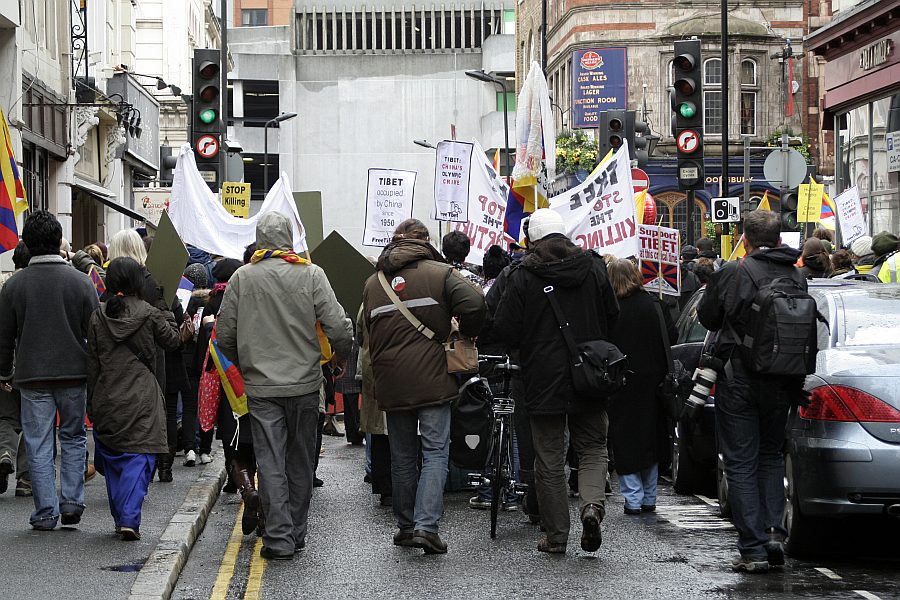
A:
(157, 579)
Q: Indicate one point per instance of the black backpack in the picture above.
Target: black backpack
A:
(471, 423)
(780, 335)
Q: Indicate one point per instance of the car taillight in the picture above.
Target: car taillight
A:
(843, 403)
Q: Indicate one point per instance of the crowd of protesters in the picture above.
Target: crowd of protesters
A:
(90, 335)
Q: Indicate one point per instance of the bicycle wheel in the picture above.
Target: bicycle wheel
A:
(496, 478)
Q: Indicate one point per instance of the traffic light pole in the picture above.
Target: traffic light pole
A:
(724, 182)
(223, 162)
(690, 216)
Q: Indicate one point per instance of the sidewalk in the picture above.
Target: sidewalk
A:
(90, 561)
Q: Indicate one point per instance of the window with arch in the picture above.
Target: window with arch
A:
(526, 56)
(749, 90)
(712, 96)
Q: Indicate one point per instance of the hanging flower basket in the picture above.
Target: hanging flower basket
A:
(574, 153)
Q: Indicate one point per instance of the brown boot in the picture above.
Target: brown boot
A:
(242, 475)
(591, 538)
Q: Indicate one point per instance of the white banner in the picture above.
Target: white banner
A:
(202, 221)
(487, 206)
(599, 214)
(389, 202)
(660, 259)
(452, 175)
(151, 202)
(850, 215)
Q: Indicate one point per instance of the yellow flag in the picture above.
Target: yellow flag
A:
(640, 200)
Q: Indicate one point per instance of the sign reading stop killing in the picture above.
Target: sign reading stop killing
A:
(452, 174)
(389, 202)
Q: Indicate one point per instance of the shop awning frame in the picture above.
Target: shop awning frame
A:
(106, 197)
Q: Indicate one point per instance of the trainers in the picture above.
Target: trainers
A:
(190, 458)
(129, 534)
(23, 488)
(431, 543)
(749, 564)
(403, 538)
(511, 505)
(775, 548)
(479, 503)
(591, 538)
(205, 459)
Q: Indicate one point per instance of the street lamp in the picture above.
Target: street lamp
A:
(278, 119)
(425, 144)
(482, 76)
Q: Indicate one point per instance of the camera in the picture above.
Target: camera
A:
(704, 379)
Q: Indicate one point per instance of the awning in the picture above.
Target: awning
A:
(105, 196)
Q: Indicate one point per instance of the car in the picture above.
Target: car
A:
(841, 451)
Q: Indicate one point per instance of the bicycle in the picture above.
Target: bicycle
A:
(499, 472)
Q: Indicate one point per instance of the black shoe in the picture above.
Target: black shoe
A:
(367, 478)
(632, 511)
(317, 482)
(299, 546)
(269, 555)
(230, 487)
(69, 518)
(648, 508)
(165, 474)
(403, 538)
(775, 548)
(591, 538)
(431, 543)
(250, 519)
(6, 468)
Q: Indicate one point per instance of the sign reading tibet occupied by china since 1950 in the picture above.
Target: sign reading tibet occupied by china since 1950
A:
(599, 82)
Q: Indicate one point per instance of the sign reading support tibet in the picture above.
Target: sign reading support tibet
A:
(599, 82)
(389, 202)
(600, 213)
(660, 264)
(488, 194)
(452, 174)
(850, 215)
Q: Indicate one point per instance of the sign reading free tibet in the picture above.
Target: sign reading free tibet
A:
(599, 82)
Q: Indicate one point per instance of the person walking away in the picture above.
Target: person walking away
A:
(816, 262)
(886, 248)
(267, 327)
(752, 407)
(350, 387)
(526, 321)
(706, 249)
(841, 263)
(44, 315)
(411, 380)
(455, 246)
(690, 283)
(126, 404)
(372, 420)
(641, 333)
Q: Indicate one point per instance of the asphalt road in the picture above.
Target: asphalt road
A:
(683, 551)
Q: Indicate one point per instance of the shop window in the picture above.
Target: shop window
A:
(260, 102)
(254, 172)
(712, 96)
(510, 102)
(254, 17)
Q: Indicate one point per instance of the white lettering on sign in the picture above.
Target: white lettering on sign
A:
(876, 54)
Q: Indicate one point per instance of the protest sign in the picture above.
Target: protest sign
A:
(487, 206)
(600, 214)
(660, 259)
(236, 199)
(452, 173)
(152, 203)
(809, 203)
(850, 216)
(167, 258)
(346, 268)
(389, 202)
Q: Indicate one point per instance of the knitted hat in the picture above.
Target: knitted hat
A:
(197, 274)
(689, 252)
(884, 242)
(862, 246)
(225, 268)
(544, 222)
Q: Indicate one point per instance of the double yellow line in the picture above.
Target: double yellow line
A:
(229, 562)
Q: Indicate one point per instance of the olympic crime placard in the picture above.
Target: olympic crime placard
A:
(599, 82)
(452, 175)
(389, 202)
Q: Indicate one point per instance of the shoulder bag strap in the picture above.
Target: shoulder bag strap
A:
(563, 324)
(129, 343)
(665, 336)
(420, 327)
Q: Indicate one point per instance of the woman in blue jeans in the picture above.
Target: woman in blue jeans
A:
(640, 333)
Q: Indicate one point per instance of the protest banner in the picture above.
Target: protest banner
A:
(236, 199)
(389, 202)
(346, 268)
(850, 215)
(809, 203)
(167, 258)
(452, 174)
(487, 205)
(600, 213)
(660, 259)
(152, 203)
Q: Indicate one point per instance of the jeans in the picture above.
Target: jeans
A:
(639, 489)
(751, 416)
(39, 408)
(587, 432)
(419, 496)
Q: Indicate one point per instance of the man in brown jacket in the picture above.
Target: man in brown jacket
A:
(411, 380)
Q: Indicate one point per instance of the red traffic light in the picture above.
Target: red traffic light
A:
(684, 62)
(208, 69)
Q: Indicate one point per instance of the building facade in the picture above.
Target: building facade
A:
(262, 13)
(759, 87)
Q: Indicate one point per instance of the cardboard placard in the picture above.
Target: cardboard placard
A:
(236, 199)
(167, 258)
(346, 268)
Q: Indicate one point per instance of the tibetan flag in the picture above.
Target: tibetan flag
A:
(232, 381)
(526, 195)
(94, 274)
(183, 293)
(827, 217)
(12, 192)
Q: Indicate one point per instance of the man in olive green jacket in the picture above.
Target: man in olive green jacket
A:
(267, 326)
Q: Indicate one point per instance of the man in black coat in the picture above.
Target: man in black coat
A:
(526, 322)
(751, 409)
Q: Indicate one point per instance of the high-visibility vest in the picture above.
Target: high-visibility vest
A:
(888, 271)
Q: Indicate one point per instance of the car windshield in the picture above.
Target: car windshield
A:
(873, 319)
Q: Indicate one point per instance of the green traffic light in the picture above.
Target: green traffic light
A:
(207, 116)
(687, 110)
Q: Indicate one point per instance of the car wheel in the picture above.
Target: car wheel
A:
(722, 490)
(800, 528)
(685, 473)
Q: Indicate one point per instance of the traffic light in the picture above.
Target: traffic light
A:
(636, 134)
(788, 209)
(207, 127)
(686, 98)
(612, 131)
